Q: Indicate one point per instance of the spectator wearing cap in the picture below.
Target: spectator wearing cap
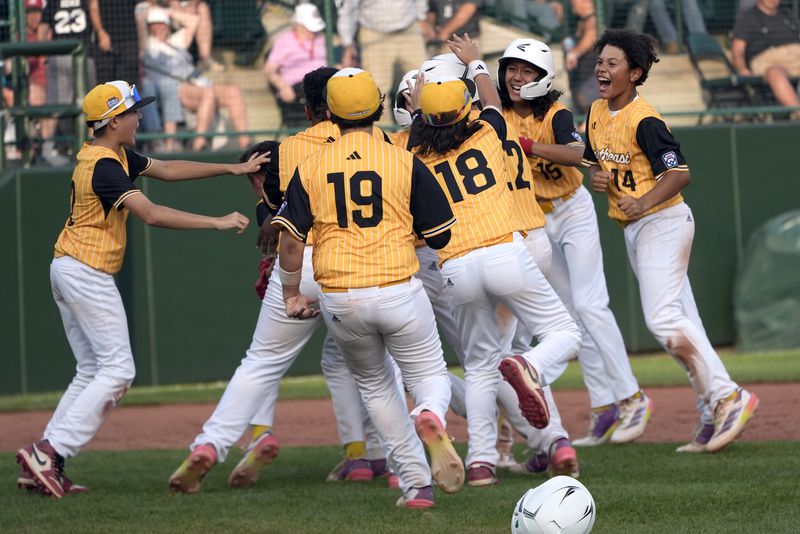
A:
(169, 70)
(61, 86)
(766, 42)
(295, 53)
(391, 36)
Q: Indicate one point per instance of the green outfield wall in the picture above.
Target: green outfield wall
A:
(189, 297)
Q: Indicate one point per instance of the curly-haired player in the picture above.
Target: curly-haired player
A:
(636, 161)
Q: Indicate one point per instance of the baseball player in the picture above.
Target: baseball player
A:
(365, 200)
(553, 441)
(88, 253)
(363, 459)
(252, 393)
(486, 263)
(620, 410)
(636, 161)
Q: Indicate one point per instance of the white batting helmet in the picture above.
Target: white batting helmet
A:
(537, 54)
(450, 65)
(401, 115)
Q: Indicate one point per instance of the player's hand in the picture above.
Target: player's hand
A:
(301, 307)
(415, 91)
(349, 56)
(286, 93)
(464, 48)
(252, 165)
(104, 41)
(267, 239)
(634, 208)
(600, 181)
(233, 221)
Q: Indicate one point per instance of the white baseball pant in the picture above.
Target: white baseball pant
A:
(659, 246)
(367, 322)
(97, 331)
(277, 341)
(577, 276)
(477, 282)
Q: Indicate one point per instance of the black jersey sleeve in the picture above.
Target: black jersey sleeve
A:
(137, 164)
(432, 214)
(588, 152)
(496, 120)
(564, 128)
(295, 212)
(660, 147)
(111, 185)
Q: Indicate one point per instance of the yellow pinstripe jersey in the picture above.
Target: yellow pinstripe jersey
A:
(552, 180)
(295, 148)
(521, 182)
(364, 199)
(475, 178)
(94, 233)
(634, 145)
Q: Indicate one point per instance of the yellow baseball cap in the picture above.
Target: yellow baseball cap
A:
(445, 101)
(353, 94)
(111, 99)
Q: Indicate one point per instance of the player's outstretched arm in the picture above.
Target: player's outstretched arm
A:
(164, 217)
(175, 170)
(467, 51)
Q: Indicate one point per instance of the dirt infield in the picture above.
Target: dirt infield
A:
(311, 422)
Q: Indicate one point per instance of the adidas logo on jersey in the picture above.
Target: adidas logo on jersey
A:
(354, 155)
(432, 266)
(330, 139)
(335, 319)
(449, 283)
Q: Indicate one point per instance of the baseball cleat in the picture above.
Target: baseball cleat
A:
(730, 417)
(45, 466)
(701, 437)
(261, 452)
(26, 481)
(446, 465)
(634, 413)
(537, 463)
(381, 470)
(563, 459)
(417, 498)
(481, 474)
(188, 477)
(525, 381)
(358, 470)
(602, 423)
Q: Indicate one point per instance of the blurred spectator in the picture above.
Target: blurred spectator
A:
(544, 17)
(447, 17)
(169, 71)
(62, 19)
(36, 77)
(390, 37)
(766, 42)
(296, 52)
(580, 58)
(204, 34)
(662, 20)
(117, 54)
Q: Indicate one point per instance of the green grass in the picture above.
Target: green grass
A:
(651, 370)
(751, 487)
